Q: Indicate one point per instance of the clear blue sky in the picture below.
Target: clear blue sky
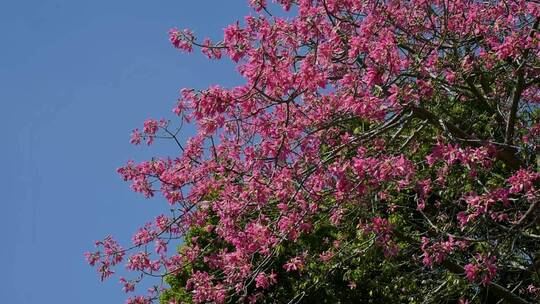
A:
(75, 78)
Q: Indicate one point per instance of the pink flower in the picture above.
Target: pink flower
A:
(128, 285)
(204, 289)
(182, 40)
(470, 271)
(326, 256)
(138, 300)
(139, 261)
(522, 180)
(265, 281)
(136, 137)
(294, 264)
(150, 126)
(532, 289)
(483, 267)
(450, 76)
(258, 5)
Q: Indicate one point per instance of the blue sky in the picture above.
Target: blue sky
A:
(75, 78)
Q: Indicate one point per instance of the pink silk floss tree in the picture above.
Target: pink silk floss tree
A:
(405, 128)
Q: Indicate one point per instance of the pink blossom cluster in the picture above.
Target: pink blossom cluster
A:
(523, 181)
(109, 254)
(383, 230)
(483, 268)
(150, 129)
(436, 252)
(182, 40)
(204, 290)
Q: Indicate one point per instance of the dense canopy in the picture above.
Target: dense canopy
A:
(377, 152)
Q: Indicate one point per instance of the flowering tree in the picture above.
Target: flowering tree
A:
(379, 151)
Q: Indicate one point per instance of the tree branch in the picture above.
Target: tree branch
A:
(516, 95)
(497, 289)
(515, 103)
(506, 154)
(453, 267)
